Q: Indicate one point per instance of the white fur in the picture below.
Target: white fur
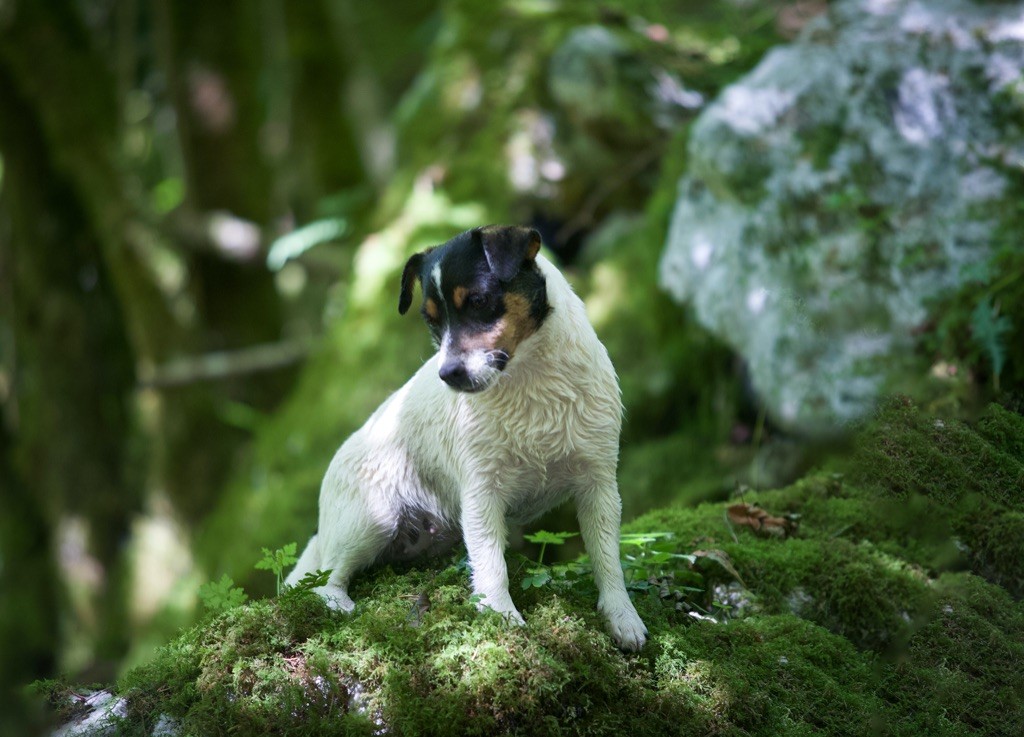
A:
(435, 274)
(547, 429)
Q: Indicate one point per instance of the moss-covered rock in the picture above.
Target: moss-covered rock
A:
(957, 673)
(854, 622)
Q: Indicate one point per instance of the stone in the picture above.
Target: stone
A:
(850, 179)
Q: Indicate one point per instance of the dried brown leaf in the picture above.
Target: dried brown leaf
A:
(760, 521)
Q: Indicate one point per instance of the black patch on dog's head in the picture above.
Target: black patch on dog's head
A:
(508, 248)
(484, 290)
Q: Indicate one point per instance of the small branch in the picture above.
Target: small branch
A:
(224, 364)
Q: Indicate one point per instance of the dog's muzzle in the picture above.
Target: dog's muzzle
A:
(472, 373)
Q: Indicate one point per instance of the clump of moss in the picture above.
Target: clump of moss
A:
(247, 669)
(905, 451)
(830, 574)
(973, 477)
(416, 658)
(774, 675)
(960, 671)
(1003, 429)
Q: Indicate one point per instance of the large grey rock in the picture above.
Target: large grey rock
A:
(837, 188)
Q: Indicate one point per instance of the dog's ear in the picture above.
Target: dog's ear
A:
(410, 274)
(508, 247)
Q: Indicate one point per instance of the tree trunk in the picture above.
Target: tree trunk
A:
(324, 157)
(211, 55)
(73, 370)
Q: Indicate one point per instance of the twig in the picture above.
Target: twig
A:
(224, 364)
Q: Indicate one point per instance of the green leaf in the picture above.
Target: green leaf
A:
(219, 596)
(289, 554)
(641, 539)
(279, 559)
(266, 563)
(539, 576)
(550, 538)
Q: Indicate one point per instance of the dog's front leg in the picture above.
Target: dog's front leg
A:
(485, 531)
(599, 509)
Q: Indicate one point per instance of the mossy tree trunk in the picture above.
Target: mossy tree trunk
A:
(73, 374)
(29, 625)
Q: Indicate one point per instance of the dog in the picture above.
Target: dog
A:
(518, 411)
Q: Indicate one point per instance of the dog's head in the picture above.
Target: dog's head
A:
(483, 295)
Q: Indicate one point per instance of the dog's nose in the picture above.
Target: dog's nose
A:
(454, 374)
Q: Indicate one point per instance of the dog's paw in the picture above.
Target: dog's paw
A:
(336, 598)
(625, 626)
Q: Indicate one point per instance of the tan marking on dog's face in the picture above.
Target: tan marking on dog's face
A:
(508, 332)
(533, 249)
(430, 307)
(459, 297)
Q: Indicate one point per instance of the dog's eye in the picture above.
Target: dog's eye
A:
(477, 301)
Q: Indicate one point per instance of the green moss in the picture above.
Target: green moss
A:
(449, 670)
(959, 673)
(245, 670)
(850, 626)
(442, 668)
(1003, 429)
(905, 451)
(777, 675)
(845, 584)
(970, 478)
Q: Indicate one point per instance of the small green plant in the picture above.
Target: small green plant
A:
(538, 575)
(277, 561)
(988, 329)
(219, 596)
(545, 538)
(981, 324)
(312, 580)
(652, 554)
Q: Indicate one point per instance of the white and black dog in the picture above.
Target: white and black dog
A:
(518, 411)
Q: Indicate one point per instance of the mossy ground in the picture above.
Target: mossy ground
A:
(878, 616)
